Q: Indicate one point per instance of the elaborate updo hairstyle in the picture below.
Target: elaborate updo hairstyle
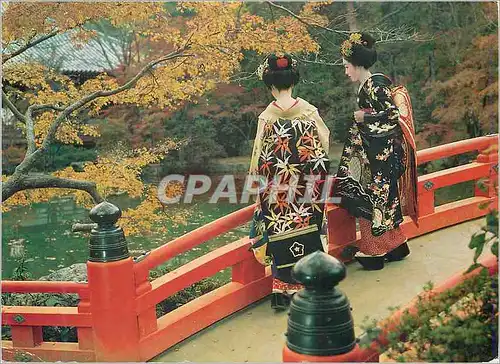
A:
(359, 50)
(279, 71)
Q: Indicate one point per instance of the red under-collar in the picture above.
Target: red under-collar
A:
(279, 107)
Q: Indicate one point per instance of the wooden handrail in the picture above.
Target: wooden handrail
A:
(460, 147)
(44, 287)
(45, 316)
(231, 221)
(194, 238)
(194, 271)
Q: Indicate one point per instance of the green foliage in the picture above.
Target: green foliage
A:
(23, 357)
(458, 325)
(61, 156)
(184, 296)
(21, 272)
(233, 136)
(371, 332)
(487, 237)
(200, 147)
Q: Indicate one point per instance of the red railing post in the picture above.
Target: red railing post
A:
(112, 289)
(147, 318)
(85, 334)
(426, 201)
(320, 324)
(489, 187)
(26, 336)
(247, 271)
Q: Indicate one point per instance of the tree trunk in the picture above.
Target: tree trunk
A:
(432, 66)
(393, 68)
(351, 17)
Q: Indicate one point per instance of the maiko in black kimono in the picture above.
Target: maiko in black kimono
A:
(373, 159)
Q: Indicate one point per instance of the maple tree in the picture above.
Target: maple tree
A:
(202, 46)
(467, 102)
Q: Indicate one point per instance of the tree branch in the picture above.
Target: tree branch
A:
(30, 182)
(338, 62)
(12, 107)
(30, 124)
(387, 16)
(30, 131)
(98, 40)
(399, 34)
(304, 21)
(47, 106)
(6, 57)
(89, 98)
(31, 159)
(402, 33)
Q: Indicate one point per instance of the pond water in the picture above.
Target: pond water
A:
(43, 234)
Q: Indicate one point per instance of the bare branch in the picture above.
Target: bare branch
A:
(6, 57)
(337, 62)
(29, 182)
(399, 34)
(302, 20)
(392, 13)
(12, 107)
(47, 106)
(111, 44)
(104, 52)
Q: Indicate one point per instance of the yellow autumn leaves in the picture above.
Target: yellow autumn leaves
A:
(218, 35)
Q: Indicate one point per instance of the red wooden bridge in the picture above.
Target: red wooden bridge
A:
(116, 317)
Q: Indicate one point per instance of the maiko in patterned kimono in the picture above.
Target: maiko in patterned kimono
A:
(291, 155)
(376, 178)
(373, 160)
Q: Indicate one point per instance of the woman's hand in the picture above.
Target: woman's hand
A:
(359, 115)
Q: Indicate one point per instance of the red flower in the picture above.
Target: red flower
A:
(282, 62)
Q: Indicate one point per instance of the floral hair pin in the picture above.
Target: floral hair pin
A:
(282, 62)
(346, 48)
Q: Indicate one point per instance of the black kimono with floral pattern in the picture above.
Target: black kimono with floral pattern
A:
(373, 159)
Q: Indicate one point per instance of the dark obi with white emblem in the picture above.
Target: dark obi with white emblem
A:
(289, 247)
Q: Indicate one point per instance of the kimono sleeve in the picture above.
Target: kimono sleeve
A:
(383, 117)
(323, 131)
(257, 148)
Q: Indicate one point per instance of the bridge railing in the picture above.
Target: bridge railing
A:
(116, 317)
(431, 217)
(26, 323)
(250, 282)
